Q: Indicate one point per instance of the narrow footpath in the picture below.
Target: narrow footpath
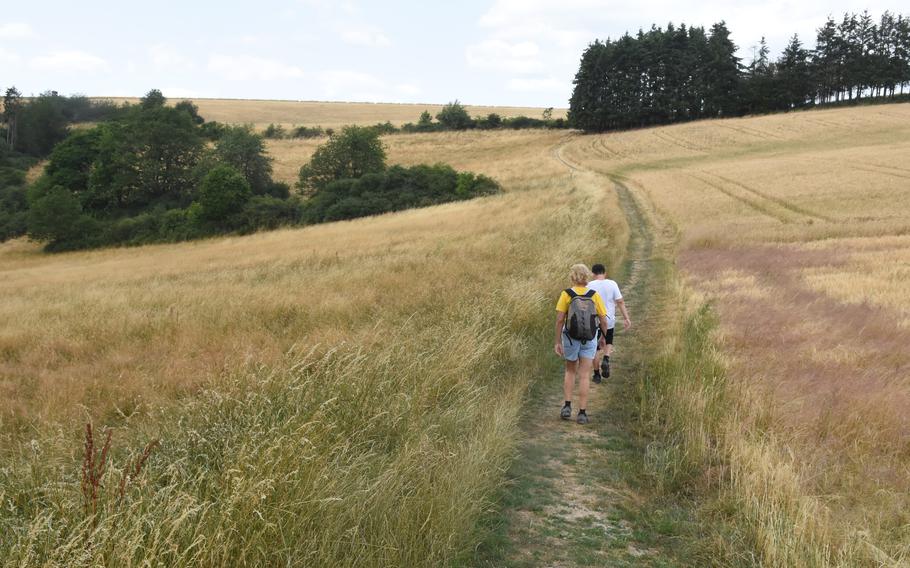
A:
(577, 496)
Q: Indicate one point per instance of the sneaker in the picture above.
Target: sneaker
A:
(597, 378)
(566, 412)
(605, 368)
(582, 418)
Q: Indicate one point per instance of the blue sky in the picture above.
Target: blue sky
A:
(498, 52)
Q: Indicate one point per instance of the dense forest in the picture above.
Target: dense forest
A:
(152, 172)
(683, 73)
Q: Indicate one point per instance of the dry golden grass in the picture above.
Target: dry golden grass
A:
(514, 157)
(305, 383)
(795, 227)
(331, 114)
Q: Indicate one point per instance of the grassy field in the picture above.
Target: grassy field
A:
(796, 229)
(345, 394)
(350, 394)
(331, 114)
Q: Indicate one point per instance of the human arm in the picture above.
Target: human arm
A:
(626, 321)
(560, 323)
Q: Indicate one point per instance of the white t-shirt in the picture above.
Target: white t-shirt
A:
(609, 291)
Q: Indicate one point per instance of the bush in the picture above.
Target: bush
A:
(454, 116)
(56, 216)
(395, 189)
(308, 132)
(213, 130)
(244, 150)
(265, 212)
(274, 132)
(351, 154)
(223, 193)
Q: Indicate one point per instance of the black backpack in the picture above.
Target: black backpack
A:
(581, 319)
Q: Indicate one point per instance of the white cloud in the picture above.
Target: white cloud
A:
(537, 85)
(165, 57)
(500, 55)
(352, 86)
(70, 61)
(9, 57)
(179, 93)
(409, 89)
(246, 67)
(16, 30)
(365, 37)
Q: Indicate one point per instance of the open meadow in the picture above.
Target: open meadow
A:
(343, 394)
(796, 229)
(350, 394)
(331, 114)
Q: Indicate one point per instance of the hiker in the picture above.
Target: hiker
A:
(579, 312)
(612, 297)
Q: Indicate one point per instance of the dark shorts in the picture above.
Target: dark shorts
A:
(608, 337)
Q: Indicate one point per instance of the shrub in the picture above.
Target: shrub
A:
(274, 132)
(244, 150)
(265, 212)
(308, 132)
(351, 154)
(223, 193)
(454, 116)
(56, 216)
(395, 189)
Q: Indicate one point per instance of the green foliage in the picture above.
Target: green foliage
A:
(223, 193)
(274, 132)
(190, 108)
(55, 215)
(152, 99)
(71, 161)
(454, 116)
(267, 212)
(395, 189)
(354, 152)
(243, 149)
(40, 124)
(307, 132)
(662, 76)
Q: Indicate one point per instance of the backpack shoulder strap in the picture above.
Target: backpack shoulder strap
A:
(590, 293)
(572, 293)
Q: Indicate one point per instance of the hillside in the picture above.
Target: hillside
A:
(330, 114)
(316, 395)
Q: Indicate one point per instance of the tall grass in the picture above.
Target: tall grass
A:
(718, 441)
(374, 438)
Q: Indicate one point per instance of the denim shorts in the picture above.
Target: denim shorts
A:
(574, 348)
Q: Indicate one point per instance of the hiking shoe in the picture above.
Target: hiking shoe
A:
(597, 379)
(566, 412)
(605, 368)
(582, 418)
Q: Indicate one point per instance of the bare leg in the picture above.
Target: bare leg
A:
(569, 379)
(599, 356)
(584, 381)
(609, 350)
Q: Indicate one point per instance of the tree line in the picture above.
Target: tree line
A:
(152, 172)
(683, 73)
(452, 116)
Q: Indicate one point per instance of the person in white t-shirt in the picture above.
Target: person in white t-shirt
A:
(612, 297)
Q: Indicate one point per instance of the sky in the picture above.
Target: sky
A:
(481, 52)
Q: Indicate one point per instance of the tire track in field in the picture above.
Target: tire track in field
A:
(796, 209)
(763, 206)
(751, 132)
(675, 141)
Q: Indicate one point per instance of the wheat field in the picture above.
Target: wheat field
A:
(323, 395)
(796, 228)
(337, 394)
(261, 113)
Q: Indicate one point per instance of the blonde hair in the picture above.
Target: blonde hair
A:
(580, 274)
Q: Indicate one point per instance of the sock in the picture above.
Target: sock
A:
(568, 403)
(582, 411)
(607, 357)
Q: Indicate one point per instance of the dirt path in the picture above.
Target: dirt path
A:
(576, 499)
